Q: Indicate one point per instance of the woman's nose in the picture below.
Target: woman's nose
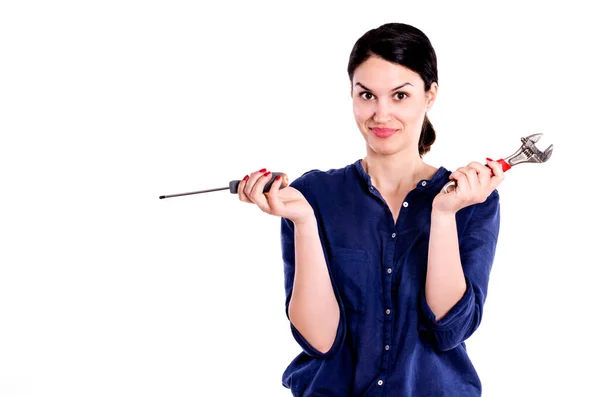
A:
(382, 112)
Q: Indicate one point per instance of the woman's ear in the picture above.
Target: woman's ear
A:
(431, 95)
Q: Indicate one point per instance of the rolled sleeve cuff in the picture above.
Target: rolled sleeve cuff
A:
(451, 329)
(311, 351)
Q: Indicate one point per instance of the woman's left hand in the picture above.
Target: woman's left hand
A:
(474, 184)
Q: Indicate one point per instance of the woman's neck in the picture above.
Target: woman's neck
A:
(396, 172)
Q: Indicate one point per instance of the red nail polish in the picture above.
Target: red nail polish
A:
(278, 177)
(246, 178)
(263, 170)
(267, 173)
(489, 159)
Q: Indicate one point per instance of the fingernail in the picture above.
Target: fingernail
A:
(278, 177)
(245, 178)
(263, 170)
(267, 173)
(488, 159)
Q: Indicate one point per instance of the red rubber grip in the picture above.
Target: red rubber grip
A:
(505, 165)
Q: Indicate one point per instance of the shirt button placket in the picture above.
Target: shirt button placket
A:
(388, 302)
(389, 270)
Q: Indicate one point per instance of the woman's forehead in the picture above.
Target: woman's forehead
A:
(376, 73)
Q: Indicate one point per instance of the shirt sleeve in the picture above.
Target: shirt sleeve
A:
(288, 255)
(477, 248)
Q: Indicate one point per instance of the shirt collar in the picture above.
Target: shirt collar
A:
(440, 174)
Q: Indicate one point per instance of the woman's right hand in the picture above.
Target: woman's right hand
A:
(287, 202)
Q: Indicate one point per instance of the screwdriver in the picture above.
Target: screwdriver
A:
(233, 186)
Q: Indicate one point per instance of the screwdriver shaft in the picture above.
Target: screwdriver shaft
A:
(200, 191)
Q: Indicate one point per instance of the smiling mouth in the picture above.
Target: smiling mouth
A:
(383, 132)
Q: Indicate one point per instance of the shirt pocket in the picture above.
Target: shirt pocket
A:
(349, 268)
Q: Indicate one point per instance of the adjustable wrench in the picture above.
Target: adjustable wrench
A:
(527, 153)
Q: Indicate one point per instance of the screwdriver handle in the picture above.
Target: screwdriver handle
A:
(233, 185)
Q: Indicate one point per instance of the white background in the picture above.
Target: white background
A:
(105, 290)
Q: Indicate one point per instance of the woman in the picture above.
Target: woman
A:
(385, 273)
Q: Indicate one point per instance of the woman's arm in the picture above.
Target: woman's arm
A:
(445, 282)
(313, 308)
(458, 269)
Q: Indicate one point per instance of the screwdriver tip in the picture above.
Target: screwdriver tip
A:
(161, 197)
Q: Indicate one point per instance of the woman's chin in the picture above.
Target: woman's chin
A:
(383, 149)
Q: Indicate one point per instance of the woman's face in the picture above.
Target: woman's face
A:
(389, 104)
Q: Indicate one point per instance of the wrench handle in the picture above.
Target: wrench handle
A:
(505, 167)
(504, 164)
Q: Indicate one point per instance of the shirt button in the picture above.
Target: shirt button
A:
(380, 382)
(389, 270)
(423, 183)
(393, 235)
(405, 204)
(370, 187)
(387, 347)
(388, 311)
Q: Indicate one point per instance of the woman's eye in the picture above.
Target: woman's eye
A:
(366, 95)
(400, 96)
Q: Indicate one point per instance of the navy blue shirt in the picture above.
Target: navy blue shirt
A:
(388, 341)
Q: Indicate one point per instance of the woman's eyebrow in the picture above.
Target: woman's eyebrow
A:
(394, 89)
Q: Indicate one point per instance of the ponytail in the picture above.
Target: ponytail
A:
(427, 137)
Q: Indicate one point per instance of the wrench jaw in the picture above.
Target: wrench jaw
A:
(529, 153)
(547, 153)
(533, 138)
